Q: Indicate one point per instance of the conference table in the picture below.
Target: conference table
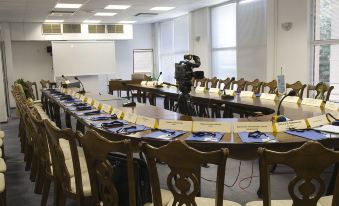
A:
(237, 149)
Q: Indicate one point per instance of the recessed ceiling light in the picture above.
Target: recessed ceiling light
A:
(54, 21)
(92, 21)
(68, 6)
(162, 8)
(104, 14)
(127, 22)
(118, 7)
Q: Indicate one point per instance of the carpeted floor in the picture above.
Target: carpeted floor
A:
(20, 189)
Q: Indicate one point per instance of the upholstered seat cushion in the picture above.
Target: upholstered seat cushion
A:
(275, 203)
(86, 185)
(3, 167)
(2, 182)
(326, 201)
(0, 152)
(166, 198)
(202, 201)
(1, 142)
(2, 134)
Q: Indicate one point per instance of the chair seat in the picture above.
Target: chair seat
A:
(3, 167)
(86, 185)
(2, 134)
(275, 203)
(1, 142)
(202, 201)
(166, 196)
(326, 201)
(83, 163)
(2, 182)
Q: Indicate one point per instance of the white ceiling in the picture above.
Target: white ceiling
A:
(38, 10)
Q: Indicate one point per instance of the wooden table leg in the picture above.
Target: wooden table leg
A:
(68, 120)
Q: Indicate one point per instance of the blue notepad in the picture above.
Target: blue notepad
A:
(262, 139)
(258, 95)
(98, 124)
(308, 134)
(165, 134)
(216, 137)
(82, 113)
(126, 129)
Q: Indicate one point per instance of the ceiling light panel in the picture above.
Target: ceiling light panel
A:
(92, 21)
(117, 7)
(162, 8)
(67, 6)
(54, 21)
(105, 14)
(127, 22)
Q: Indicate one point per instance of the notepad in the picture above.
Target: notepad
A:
(127, 129)
(329, 129)
(99, 124)
(267, 138)
(308, 134)
(216, 137)
(164, 134)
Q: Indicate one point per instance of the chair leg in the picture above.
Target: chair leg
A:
(34, 168)
(45, 193)
(40, 179)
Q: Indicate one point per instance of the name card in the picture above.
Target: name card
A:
(313, 102)
(118, 112)
(318, 121)
(200, 90)
(230, 92)
(247, 94)
(267, 96)
(131, 117)
(253, 126)
(143, 83)
(211, 127)
(97, 104)
(175, 125)
(77, 95)
(89, 100)
(214, 91)
(296, 100)
(147, 121)
(73, 93)
(332, 106)
(67, 82)
(64, 90)
(83, 98)
(297, 124)
(106, 108)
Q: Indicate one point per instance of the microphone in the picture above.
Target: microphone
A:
(279, 117)
(157, 84)
(83, 88)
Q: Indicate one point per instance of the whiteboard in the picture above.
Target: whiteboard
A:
(78, 58)
(143, 61)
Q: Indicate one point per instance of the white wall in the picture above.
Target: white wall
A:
(3, 106)
(31, 61)
(142, 39)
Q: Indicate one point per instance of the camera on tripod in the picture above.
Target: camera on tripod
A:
(184, 72)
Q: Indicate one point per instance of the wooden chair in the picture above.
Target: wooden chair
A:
(298, 87)
(272, 87)
(212, 83)
(32, 94)
(184, 178)
(101, 174)
(256, 86)
(306, 188)
(71, 178)
(241, 85)
(200, 82)
(226, 84)
(44, 84)
(322, 91)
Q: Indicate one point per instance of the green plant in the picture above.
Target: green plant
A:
(24, 86)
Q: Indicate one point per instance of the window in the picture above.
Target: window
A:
(223, 23)
(326, 44)
(173, 44)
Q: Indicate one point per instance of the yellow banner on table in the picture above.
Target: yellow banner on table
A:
(247, 94)
(317, 121)
(253, 126)
(214, 91)
(89, 100)
(230, 92)
(143, 83)
(200, 90)
(297, 124)
(83, 98)
(267, 96)
(97, 104)
(313, 102)
(296, 100)
(199, 126)
(73, 93)
(69, 92)
(130, 117)
(175, 125)
(147, 121)
(332, 106)
(118, 112)
(106, 108)
(77, 95)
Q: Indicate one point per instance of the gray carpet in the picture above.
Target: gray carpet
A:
(20, 189)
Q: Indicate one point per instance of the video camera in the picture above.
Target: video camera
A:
(184, 72)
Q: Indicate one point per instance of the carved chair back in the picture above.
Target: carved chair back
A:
(241, 85)
(32, 94)
(298, 87)
(226, 84)
(212, 83)
(322, 91)
(272, 87)
(256, 86)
